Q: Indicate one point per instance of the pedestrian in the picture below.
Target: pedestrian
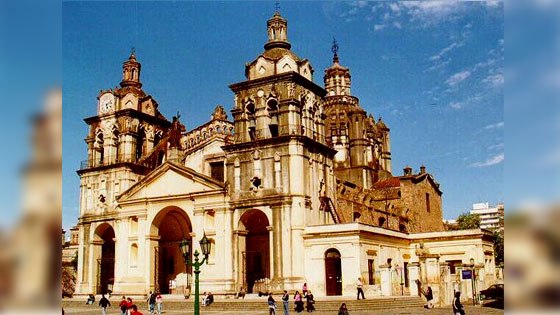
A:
(104, 303)
(343, 310)
(298, 301)
(271, 305)
(240, 294)
(310, 302)
(151, 302)
(134, 310)
(430, 298)
(123, 305)
(304, 289)
(91, 299)
(209, 299)
(457, 306)
(359, 287)
(129, 305)
(285, 301)
(204, 298)
(159, 303)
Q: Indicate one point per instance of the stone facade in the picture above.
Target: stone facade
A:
(298, 188)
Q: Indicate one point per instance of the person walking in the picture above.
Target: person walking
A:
(310, 302)
(129, 305)
(343, 310)
(359, 288)
(104, 303)
(271, 305)
(457, 306)
(159, 303)
(285, 301)
(152, 302)
(298, 301)
(429, 298)
(123, 305)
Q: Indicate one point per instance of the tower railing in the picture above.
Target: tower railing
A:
(282, 130)
(108, 160)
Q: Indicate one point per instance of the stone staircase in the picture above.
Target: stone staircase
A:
(259, 304)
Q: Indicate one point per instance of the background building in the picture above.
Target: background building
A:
(491, 217)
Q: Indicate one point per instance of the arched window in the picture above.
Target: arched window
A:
(252, 128)
(140, 143)
(272, 107)
(381, 221)
(99, 147)
(134, 255)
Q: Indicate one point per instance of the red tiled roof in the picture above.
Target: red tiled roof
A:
(388, 183)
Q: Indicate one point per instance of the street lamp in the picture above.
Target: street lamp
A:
(205, 247)
(473, 281)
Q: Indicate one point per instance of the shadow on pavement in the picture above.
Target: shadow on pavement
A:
(494, 304)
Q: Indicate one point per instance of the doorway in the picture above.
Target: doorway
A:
(172, 226)
(256, 253)
(106, 261)
(333, 272)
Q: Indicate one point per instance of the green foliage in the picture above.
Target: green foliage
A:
(467, 221)
(499, 249)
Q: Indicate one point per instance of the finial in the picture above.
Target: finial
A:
(334, 49)
(277, 7)
(132, 51)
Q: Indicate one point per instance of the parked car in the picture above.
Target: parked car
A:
(495, 292)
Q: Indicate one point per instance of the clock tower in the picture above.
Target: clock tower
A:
(125, 130)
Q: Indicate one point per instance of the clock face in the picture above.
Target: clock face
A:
(106, 103)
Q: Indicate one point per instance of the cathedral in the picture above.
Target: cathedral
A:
(297, 187)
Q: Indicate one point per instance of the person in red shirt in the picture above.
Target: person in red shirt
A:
(134, 311)
(123, 305)
(129, 305)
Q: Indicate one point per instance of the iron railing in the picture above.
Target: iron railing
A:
(108, 160)
(282, 130)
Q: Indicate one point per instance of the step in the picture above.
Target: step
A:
(252, 304)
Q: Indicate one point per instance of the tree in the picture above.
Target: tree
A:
(499, 248)
(68, 283)
(467, 221)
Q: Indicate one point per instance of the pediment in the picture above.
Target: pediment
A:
(170, 179)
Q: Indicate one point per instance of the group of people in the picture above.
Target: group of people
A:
(298, 301)
(457, 306)
(129, 308)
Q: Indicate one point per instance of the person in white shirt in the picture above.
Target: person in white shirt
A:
(359, 287)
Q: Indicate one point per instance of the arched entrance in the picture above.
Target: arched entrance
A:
(333, 272)
(171, 225)
(105, 265)
(254, 248)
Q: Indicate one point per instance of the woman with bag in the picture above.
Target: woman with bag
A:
(310, 302)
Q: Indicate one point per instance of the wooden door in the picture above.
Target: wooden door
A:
(333, 273)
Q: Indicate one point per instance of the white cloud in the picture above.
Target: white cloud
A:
(494, 160)
(494, 80)
(458, 78)
(379, 27)
(495, 126)
(397, 25)
(496, 146)
(456, 105)
(445, 50)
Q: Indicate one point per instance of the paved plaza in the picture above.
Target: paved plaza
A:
(479, 310)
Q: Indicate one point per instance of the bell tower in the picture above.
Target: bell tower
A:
(359, 141)
(279, 163)
(131, 71)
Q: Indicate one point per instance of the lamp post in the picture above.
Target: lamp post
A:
(205, 247)
(473, 280)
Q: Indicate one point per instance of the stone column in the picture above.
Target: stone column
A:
(386, 285)
(413, 275)
(277, 242)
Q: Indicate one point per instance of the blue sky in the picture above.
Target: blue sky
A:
(432, 70)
